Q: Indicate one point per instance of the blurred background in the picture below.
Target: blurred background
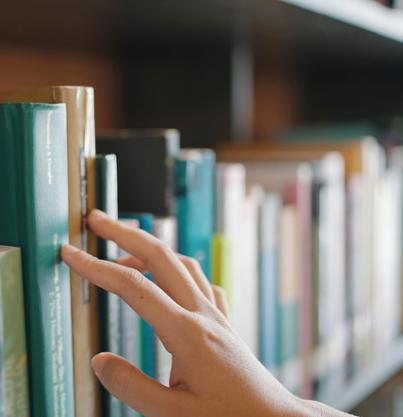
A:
(224, 70)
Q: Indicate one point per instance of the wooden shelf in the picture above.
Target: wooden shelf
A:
(372, 379)
(363, 14)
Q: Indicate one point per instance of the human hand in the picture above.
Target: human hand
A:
(213, 372)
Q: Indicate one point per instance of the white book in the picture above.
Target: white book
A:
(230, 207)
(246, 283)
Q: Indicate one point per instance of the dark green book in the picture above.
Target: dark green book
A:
(33, 216)
(14, 390)
(145, 168)
(109, 304)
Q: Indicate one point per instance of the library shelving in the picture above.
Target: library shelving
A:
(296, 61)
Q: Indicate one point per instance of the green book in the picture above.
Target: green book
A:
(33, 216)
(15, 400)
(109, 304)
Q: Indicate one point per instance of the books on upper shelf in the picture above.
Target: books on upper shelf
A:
(145, 162)
(34, 217)
(14, 399)
(79, 103)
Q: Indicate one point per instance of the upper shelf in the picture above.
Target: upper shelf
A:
(340, 28)
(364, 14)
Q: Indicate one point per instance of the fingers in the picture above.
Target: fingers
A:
(221, 300)
(134, 388)
(168, 272)
(149, 301)
(194, 268)
(132, 262)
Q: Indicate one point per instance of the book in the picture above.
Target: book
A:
(145, 168)
(289, 373)
(269, 283)
(130, 343)
(14, 375)
(33, 216)
(195, 204)
(230, 195)
(79, 103)
(165, 229)
(245, 285)
(109, 303)
(146, 222)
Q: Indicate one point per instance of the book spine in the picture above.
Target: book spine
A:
(194, 189)
(33, 216)
(14, 357)
(81, 182)
(109, 304)
(269, 283)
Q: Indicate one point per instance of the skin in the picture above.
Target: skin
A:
(213, 373)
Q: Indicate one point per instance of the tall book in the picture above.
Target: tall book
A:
(109, 304)
(245, 285)
(130, 325)
(289, 298)
(145, 168)
(230, 196)
(33, 216)
(148, 339)
(79, 103)
(269, 283)
(14, 376)
(195, 201)
(330, 279)
(165, 229)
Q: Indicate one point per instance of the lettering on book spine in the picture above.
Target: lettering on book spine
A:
(84, 231)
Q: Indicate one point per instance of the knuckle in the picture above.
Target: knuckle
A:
(162, 251)
(191, 263)
(130, 279)
(200, 327)
(219, 291)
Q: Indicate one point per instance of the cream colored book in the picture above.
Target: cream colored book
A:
(81, 182)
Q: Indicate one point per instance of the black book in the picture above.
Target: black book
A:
(145, 161)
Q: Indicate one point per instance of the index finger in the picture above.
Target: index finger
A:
(168, 272)
(143, 296)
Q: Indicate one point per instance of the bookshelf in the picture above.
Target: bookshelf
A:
(123, 48)
(371, 380)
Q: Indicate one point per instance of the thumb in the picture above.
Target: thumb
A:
(133, 387)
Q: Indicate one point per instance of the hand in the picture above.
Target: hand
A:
(213, 374)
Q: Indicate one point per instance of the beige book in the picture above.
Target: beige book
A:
(81, 169)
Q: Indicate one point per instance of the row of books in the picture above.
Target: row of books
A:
(53, 321)
(305, 237)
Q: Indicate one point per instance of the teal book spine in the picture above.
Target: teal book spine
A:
(195, 204)
(34, 217)
(109, 304)
(15, 400)
(148, 339)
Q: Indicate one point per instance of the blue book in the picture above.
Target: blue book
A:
(195, 204)
(269, 306)
(148, 338)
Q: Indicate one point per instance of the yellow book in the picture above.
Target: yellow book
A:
(81, 170)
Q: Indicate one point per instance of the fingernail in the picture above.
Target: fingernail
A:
(68, 251)
(98, 363)
(97, 214)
